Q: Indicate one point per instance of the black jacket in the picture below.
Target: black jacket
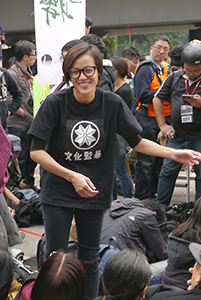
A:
(180, 259)
(107, 79)
(8, 83)
(135, 226)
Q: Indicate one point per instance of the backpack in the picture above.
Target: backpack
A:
(29, 210)
(105, 252)
(41, 249)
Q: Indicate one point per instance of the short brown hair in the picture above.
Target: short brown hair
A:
(76, 52)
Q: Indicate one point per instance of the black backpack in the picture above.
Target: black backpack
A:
(29, 209)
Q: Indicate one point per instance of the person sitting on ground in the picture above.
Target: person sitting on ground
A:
(126, 276)
(194, 289)
(61, 277)
(180, 258)
(135, 225)
(6, 274)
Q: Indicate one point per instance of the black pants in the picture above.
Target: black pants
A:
(57, 221)
(147, 168)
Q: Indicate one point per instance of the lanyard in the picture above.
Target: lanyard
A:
(195, 88)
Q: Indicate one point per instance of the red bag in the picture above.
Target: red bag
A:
(5, 151)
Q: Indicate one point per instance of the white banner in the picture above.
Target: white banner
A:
(56, 23)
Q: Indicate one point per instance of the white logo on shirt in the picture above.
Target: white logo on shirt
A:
(85, 135)
(131, 218)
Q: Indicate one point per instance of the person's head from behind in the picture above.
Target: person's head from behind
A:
(175, 55)
(196, 270)
(83, 65)
(88, 24)
(160, 48)
(191, 59)
(61, 277)
(95, 40)
(157, 208)
(120, 65)
(69, 45)
(25, 51)
(132, 56)
(11, 61)
(194, 221)
(6, 274)
(126, 275)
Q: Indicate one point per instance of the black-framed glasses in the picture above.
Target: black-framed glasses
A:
(32, 54)
(87, 71)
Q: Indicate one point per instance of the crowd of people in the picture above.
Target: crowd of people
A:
(79, 135)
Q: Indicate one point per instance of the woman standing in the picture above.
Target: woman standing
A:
(78, 128)
(123, 90)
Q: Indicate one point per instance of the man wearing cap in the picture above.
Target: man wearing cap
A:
(194, 289)
(183, 89)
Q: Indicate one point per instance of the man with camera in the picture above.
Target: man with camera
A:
(183, 89)
(19, 123)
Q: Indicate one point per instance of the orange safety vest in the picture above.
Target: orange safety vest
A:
(155, 84)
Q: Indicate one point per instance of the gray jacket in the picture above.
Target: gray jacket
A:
(135, 226)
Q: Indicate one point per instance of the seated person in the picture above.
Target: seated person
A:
(135, 225)
(126, 276)
(61, 277)
(6, 274)
(194, 289)
(180, 259)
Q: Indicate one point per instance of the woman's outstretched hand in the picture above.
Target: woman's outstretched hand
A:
(187, 157)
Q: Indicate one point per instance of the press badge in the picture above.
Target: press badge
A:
(186, 114)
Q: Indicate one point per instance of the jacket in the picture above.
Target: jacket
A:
(135, 226)
(180, 259)
(107, 79)
(8, 83)
(27, 105)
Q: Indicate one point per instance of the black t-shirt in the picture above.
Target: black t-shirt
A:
(126, 94)
(183, 131)
(81, 137)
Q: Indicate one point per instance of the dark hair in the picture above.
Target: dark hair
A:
(175, 55)
(126, 274)
(130, 52)
(23, 47)
(79, 50)
(120, 65)
(61, 277)
(95, 40)
(88, 21)
(11, 61)
(160, 38)
(194, 221)
(6, 274)
(155, 205)
(71, 44)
